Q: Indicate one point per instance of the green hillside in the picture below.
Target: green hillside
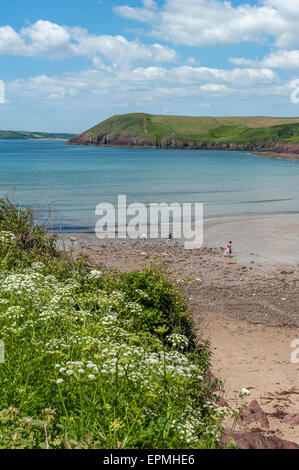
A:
(155, 128)
(23, 135)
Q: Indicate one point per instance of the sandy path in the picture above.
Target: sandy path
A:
(256, 357)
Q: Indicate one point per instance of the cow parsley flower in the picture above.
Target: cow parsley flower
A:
(7, 237)
(244, 392)
(94, 274)
(177, 340)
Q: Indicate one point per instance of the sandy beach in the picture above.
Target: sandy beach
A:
(246, 306)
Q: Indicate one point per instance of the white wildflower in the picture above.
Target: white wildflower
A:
(94, 274)
(177, 340)
(7, 238)
(244, 391)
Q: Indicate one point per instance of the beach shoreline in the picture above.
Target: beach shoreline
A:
(247, 306)
(281, 156)
(268, 239)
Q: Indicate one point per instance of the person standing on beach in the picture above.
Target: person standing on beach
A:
(228, 251)
(170, 237)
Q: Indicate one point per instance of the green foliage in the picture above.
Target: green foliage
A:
(164, 305)
(31, 241)
(95, 358)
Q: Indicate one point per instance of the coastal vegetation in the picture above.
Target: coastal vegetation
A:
(95, 358)
(146, 130)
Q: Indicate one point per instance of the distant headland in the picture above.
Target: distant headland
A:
(25, 135)
(276, 136)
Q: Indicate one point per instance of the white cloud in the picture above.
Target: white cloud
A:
(43, 37)
(215, 22)
(10, 42)
(2, 92)
(150, 4)
(142, 83)
(118, 49)
(239, 77)
(46, 39)
(146, 14)
(280, 59)
(215, 88)
(132, 71)
(241, 61)
(192, 61)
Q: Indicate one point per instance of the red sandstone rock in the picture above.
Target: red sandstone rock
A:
(253, 413)
(122, 140)
(256, 440)
(292, 419)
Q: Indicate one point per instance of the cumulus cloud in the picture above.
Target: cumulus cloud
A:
(145, 14)
(279, 59)
(215, 88)
(10, 41)
(216, 22)
(46, 39)
(2, 92)
(43, 37)
(126, 70)
(140, 82)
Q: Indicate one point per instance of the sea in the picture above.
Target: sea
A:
(64, 184)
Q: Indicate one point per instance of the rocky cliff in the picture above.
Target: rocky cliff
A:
(130, 141)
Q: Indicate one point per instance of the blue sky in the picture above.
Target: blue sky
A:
(68, 65)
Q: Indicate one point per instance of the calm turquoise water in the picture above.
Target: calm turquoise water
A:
(71, 181)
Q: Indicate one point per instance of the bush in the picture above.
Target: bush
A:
(31, 240)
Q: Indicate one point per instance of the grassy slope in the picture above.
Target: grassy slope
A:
(240, 130)
(95, 359)
(23, 135)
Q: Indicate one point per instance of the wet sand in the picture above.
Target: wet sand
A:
(247, 306)
(268, 240)
(281, 156)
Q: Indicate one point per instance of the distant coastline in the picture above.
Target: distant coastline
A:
(255, 150)
(26, 135)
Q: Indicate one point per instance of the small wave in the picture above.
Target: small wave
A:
(263, 200)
